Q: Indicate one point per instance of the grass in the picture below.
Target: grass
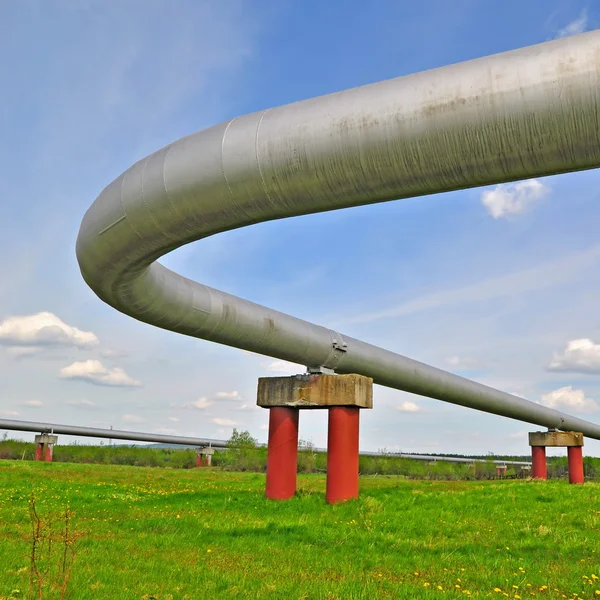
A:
(186, 534)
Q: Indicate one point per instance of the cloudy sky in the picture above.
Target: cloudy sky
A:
(499, 284)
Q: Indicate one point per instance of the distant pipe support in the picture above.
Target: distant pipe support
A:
(575, 454)
(44, 447)
(538, 456)
(282, 454)
(207, 454)
(204, 457)
(342, 454)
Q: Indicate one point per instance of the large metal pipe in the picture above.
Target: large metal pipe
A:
(525, 113)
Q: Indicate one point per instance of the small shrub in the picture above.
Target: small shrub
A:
(52, 545)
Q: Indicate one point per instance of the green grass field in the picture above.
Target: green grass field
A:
(187, 534)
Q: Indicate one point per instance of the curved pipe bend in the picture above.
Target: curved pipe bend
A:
(526, 113)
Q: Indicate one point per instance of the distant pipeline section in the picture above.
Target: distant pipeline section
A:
(158, 438)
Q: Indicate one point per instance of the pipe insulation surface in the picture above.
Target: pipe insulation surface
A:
(525, 113)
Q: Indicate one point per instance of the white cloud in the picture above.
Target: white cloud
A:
(34, 403)
(224, 422)
(544, 276)
(408, 407)
(43, 329)
(133, 419)
(95, 372)
(174, 419)
(463, 362)
(567, 397)
(9, 413)
(81, 403)
(513, 198)
(201, 403)
(231, 395)
(578, 25)
(580, 356)
(284, 367)
(165, 431)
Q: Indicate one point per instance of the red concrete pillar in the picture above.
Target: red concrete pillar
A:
(282, 454)
(342, 454)
(538, 457)
(48, 453)
(39, 452)
(199, 460)
(575, 454)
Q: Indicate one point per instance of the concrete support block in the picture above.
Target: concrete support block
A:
(282, 456)
(342, 454)
(207, 453)
(204, 457)
(556, 439)
(572, 440)
(501, 470)
(44, 447)
(575, 455)
(344, 396)
(315, 391)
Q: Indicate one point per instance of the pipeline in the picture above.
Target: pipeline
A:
(526, 113)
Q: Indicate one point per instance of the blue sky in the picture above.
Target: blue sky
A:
(498, 284)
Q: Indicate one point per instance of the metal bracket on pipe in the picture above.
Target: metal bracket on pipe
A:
(320, 371)
(338, 348)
